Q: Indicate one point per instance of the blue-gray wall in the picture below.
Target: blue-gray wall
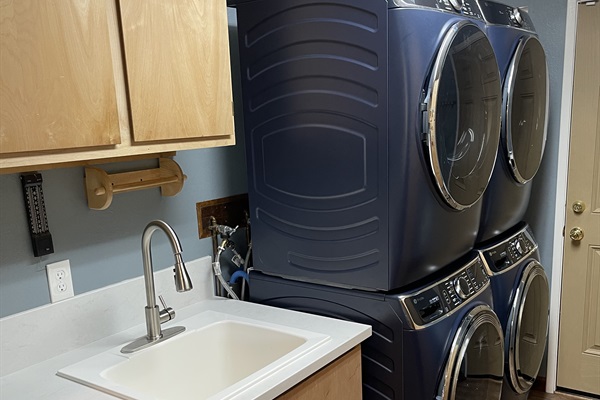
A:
(104, 247)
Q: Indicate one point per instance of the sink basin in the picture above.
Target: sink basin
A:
(218, 356)
(205, 361)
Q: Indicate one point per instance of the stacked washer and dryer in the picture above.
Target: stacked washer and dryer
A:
(372, 131)
(519, 284)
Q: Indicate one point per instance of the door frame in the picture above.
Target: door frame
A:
(561, 190)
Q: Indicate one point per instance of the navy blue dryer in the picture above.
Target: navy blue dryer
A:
(371, 133)
(441, 341)
(522, 63)
(521, 301)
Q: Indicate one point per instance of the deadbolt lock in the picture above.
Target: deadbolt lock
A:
(576, 234)
(578, 207)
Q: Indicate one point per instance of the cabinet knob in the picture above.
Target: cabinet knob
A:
(576, 234)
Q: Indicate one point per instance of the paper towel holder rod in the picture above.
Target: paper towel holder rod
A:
(100, 186)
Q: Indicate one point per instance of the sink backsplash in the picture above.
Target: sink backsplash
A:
(88, 317)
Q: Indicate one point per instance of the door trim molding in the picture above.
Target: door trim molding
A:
(561, 193)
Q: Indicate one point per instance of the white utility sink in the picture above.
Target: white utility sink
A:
(218, 356)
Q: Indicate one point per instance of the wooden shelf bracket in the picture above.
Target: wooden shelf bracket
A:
(101, 186)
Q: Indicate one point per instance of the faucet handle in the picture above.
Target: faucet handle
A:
(162, 301)
(167, 313)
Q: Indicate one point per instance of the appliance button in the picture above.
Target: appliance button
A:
(470, 272)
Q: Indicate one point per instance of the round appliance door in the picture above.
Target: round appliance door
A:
(525, 108)
(464, 102)
(474, 369)
(527, 327)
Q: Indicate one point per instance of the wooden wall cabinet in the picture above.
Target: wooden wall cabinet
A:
(89, 81)
(57, 77)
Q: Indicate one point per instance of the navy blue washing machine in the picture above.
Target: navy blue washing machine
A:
(441, 341)
(371, 133)
(522, 63)
(521, 301)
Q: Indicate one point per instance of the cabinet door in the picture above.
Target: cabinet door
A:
(178, 71)
(56, 78)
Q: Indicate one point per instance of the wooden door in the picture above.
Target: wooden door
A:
(579, 336)
(56, 78)
(178, 70)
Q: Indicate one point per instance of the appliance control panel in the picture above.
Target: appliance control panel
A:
(443, 297)
(509, 252)
(467, 8)
(501, 14)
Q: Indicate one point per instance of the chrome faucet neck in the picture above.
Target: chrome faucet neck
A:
(182, 279)
(155, 316)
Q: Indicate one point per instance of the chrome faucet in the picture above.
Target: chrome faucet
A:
(155, 316)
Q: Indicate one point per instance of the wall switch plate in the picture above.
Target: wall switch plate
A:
(60, 283)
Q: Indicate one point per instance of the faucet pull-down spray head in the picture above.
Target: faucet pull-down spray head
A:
(183, 283)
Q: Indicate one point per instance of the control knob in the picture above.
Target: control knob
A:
(461, 286)
(456, 4)
(516, 17)
(519, 247)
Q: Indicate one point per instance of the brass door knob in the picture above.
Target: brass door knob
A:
(578, 207)
(576, 234)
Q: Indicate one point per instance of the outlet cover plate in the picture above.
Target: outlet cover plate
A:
(60, 283)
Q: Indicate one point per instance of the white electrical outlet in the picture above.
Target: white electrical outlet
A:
(59, 280)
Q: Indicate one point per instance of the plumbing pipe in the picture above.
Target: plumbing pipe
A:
(245, 266)
(217, 270)
(236, 275)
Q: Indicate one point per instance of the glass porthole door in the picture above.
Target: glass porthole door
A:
(527, 328)
(475, 366)
(525, 105)
(464, 101)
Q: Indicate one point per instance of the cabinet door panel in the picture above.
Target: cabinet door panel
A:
(178, 71)
(56, 78)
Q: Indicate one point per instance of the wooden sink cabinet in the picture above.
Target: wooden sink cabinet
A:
(340, 380)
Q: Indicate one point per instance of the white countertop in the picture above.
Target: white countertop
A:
(39, 381)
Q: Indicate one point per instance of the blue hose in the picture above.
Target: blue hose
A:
(238, 274)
